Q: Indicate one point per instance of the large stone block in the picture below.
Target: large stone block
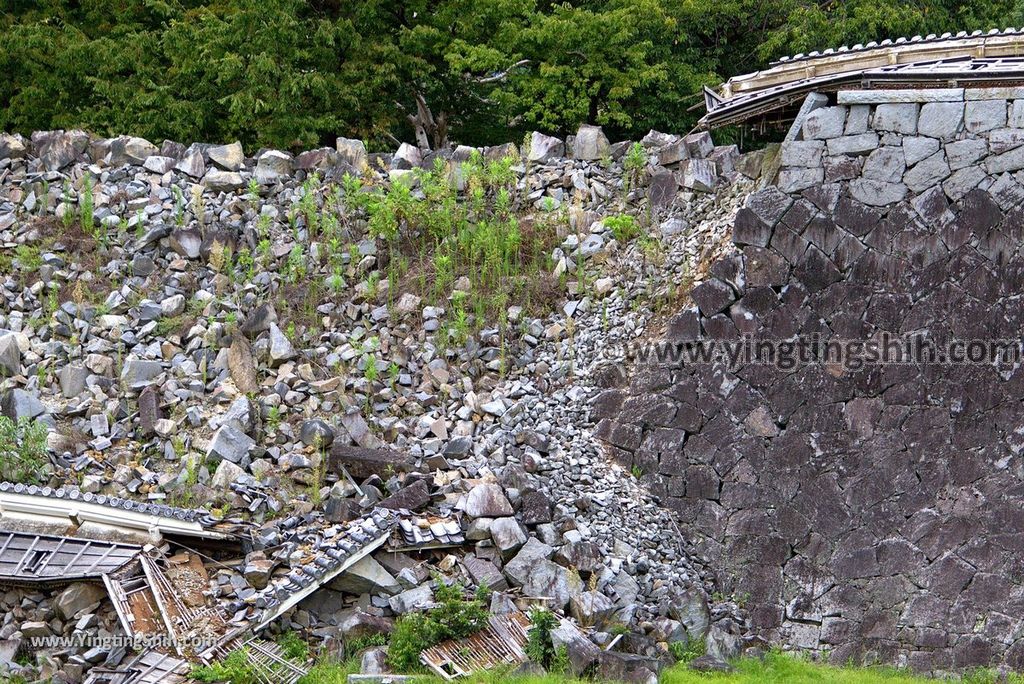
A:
(917, 148)
(713, 296)
(984, 115)
(764, 267)
(699, 175)
(824, 123)
(942, 120)
(898, 118)
(748, 229)
(885, 164)
(861, 143)
(877, 193)
(795, 178)
(927, 172)
(963, 153)
(590, 143)
(802, 153)
(1007, 161)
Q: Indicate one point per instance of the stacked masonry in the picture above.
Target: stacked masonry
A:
(892, 145)
(864, 512)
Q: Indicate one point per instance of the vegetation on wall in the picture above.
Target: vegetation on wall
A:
(294, 73)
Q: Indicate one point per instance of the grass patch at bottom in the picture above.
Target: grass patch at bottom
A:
(776, 668)
(784, 668)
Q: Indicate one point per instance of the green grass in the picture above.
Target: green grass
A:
(776, 668)
(782, 668)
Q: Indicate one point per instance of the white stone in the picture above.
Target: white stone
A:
(984, 115)
(942, 120)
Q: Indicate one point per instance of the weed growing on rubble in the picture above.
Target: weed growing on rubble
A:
(624, 227)
(85, 204)
(22, 450)
(293, 646)
(539, 646)
(433, 240)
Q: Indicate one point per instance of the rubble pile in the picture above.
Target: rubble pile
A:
(154, 315)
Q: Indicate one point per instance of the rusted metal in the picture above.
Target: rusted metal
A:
(502, 642)
(45, 559)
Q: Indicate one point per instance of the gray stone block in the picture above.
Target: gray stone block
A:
(853, 144)
(1016, 119)
(796, 178)
(963, 181)
(1007, 161)
(942, 120)
(963, 153)
(1007, 191)
(918, 147)
(842, 167)
(1003, 93)
(984, 115)
(1005, 139)
(805, 153)
(900, 95)
(898, 118)
(927, 172)
(885, 164)
(812, 102)
(857, 119)
(877, 193)
(824, 123)
(699, 174)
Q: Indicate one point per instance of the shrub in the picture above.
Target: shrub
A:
(22, 450)
(539, 646)
(293, 646)
(235, 669)
(454, 617)
(686, 651)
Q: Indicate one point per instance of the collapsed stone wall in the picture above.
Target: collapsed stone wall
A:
(869, 513)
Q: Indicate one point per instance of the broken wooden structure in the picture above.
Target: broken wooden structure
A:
(951, 60)
(502, 642)
(51, 560)
(149, 667)
(158, 586)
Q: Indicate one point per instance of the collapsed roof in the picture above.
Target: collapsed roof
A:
(950, 60)
(43, 559)
(68, 509)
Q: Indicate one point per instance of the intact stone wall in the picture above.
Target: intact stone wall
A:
(873, 513)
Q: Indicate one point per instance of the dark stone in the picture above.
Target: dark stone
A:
(149, 410)
(764, 267)
(411, 497)
(362, 463)
(713, 296)
(258, 320)
(316, 432)
(662, 189)
(683, 327)
(749, 229)
(707, 663)
(535, 509)
(339, 510)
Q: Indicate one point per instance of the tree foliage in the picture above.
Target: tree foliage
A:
(296, 73)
